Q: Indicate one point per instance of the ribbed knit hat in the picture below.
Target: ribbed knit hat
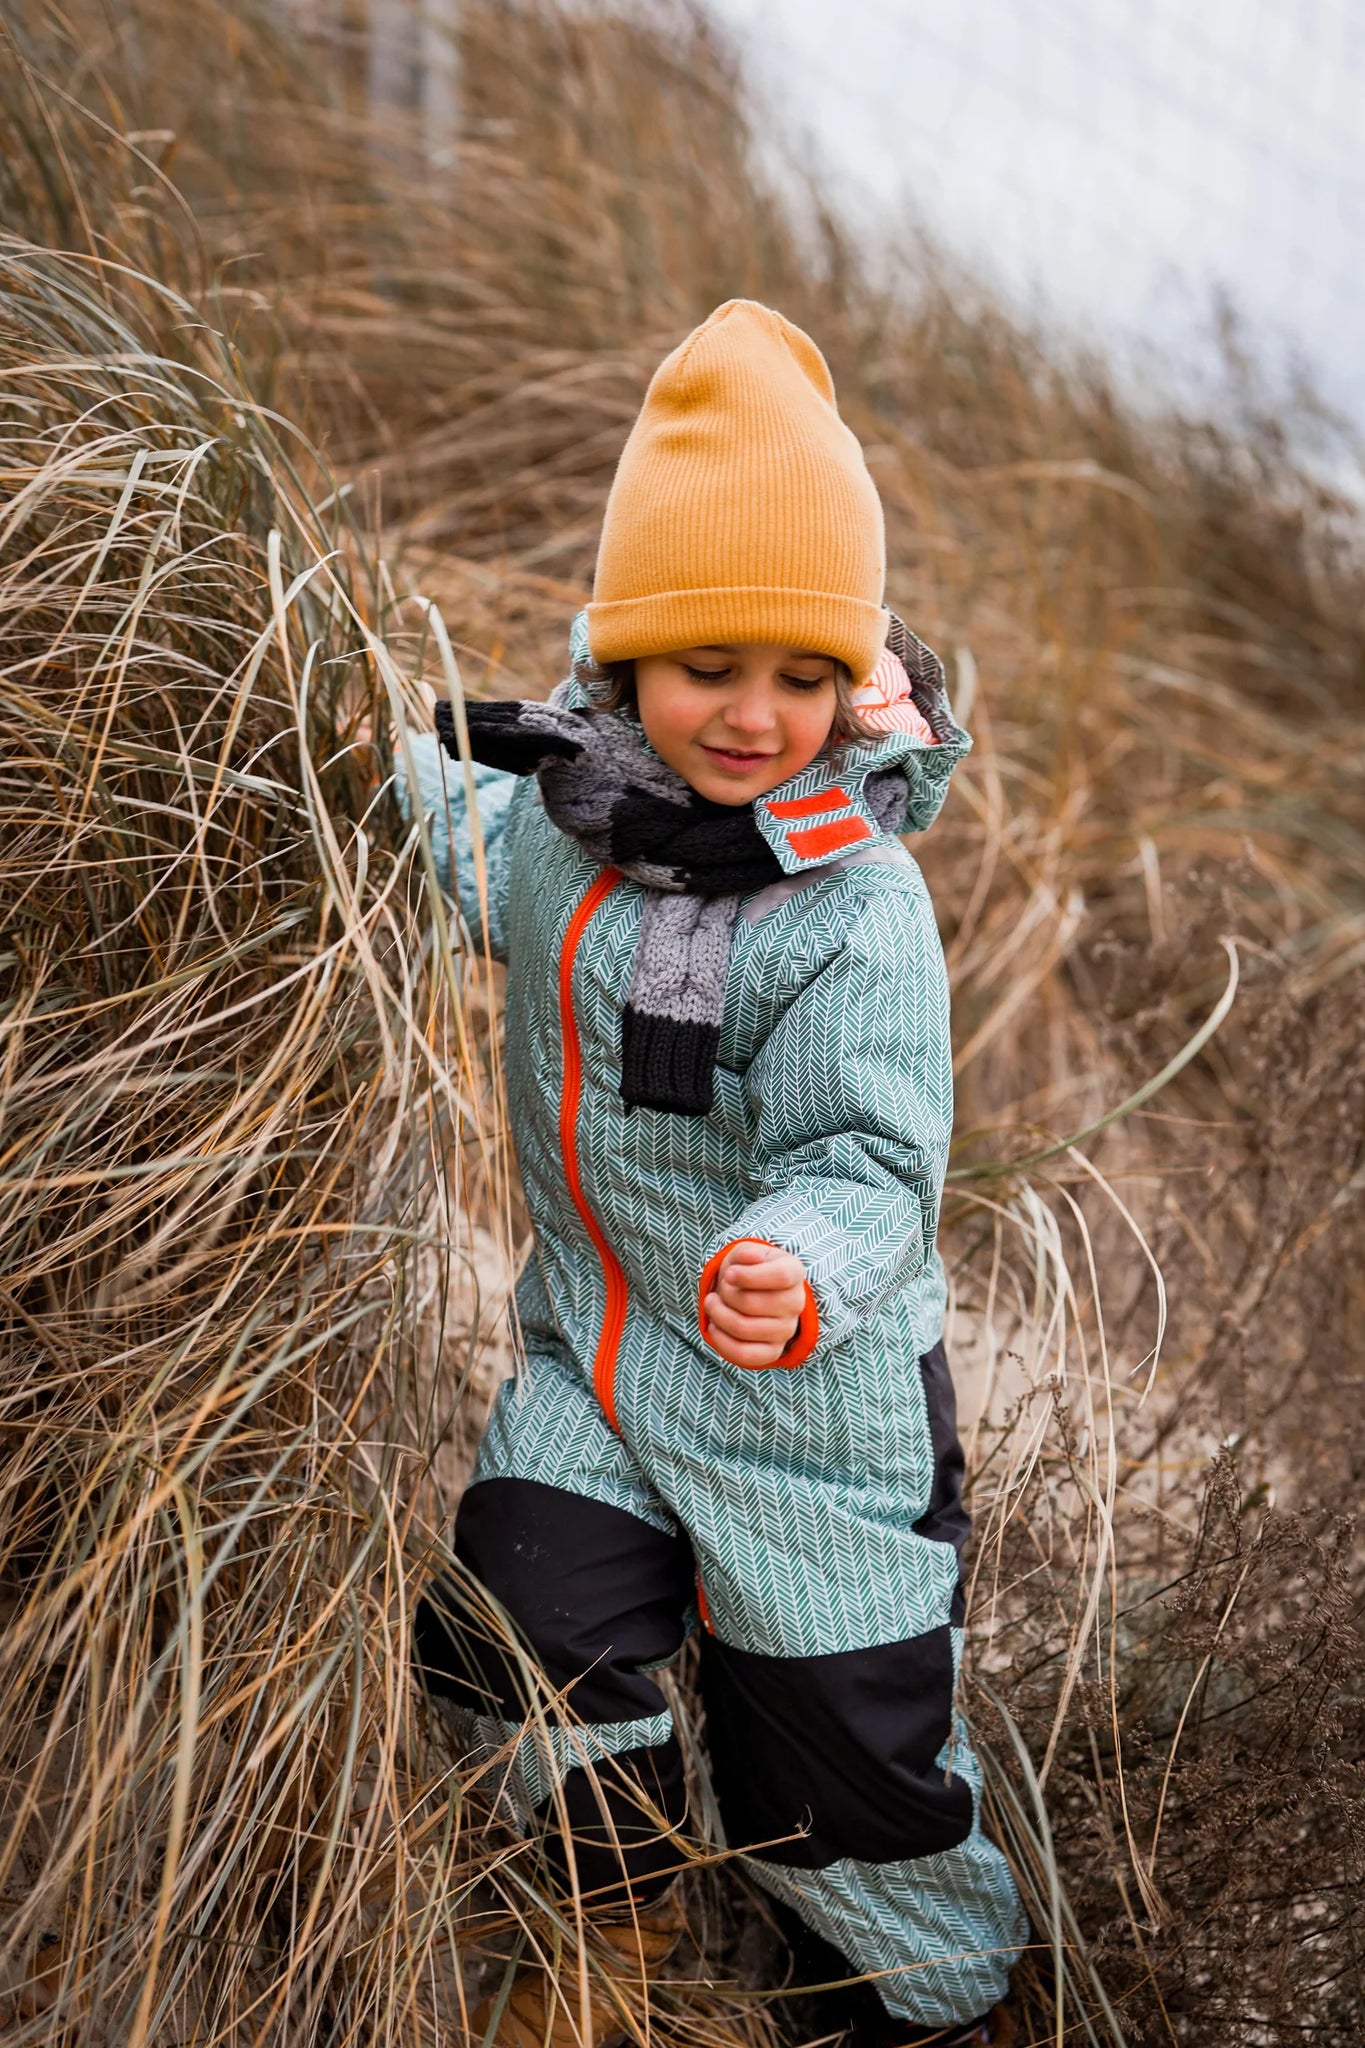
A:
(742, 508)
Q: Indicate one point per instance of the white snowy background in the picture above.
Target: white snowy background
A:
(1111, 163)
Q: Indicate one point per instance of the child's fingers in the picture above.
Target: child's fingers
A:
(752, 1356)
(745, 1267)
(736, 1287)
(755, 1307)
(783, 1308)
(777, 1330)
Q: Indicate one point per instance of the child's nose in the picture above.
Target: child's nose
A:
(748, 711)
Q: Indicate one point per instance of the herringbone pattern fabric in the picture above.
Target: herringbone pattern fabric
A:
(940, 1934)
(527, 1763)
(799, 1489)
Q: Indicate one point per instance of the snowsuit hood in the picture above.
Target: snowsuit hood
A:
(824, 810)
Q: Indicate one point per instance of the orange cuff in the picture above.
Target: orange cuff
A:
(807, 1329)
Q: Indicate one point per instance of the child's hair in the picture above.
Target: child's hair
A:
(847, 730)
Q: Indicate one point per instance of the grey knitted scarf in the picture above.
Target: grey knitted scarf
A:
(602, 783)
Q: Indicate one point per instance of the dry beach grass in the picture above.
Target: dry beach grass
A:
(268, 375)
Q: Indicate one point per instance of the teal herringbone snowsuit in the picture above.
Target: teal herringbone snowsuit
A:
(814, 1505)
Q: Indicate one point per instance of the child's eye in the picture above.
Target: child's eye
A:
(806, 682)
(706, 675)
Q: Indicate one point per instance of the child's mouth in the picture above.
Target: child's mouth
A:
(737, 763)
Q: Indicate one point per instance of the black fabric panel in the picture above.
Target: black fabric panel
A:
(945, 1520)
(641, 1861)
(840, 1746)
(667, 1063)
(596, 1593)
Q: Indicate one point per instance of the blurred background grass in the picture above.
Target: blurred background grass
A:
(275, 361)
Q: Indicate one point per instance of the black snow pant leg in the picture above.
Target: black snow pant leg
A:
(843, 1775)
(599, 1598)
(836, 1756)
(818, 1760)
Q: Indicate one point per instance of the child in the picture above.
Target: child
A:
(728, 1057)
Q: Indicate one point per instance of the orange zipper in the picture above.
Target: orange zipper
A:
(614, 1315)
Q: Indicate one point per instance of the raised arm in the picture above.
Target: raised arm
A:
(442, 799)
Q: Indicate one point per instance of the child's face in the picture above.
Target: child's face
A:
(736, 721)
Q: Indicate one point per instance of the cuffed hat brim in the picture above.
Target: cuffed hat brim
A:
(815, 621)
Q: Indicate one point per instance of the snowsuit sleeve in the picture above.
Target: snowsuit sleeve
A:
(441, 788)
(852, 1094)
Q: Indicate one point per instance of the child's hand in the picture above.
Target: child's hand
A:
(755, 1306)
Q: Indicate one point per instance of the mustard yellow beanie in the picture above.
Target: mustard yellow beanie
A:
(742, 508)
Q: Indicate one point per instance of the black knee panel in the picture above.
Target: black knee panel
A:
(622, 1818)
(595, 1594)
(819, 1758)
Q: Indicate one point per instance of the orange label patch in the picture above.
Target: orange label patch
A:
(812, 806)
(819, 840)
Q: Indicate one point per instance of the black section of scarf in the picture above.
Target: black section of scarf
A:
(602, 786)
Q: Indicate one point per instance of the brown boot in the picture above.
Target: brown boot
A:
(628, 1952)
